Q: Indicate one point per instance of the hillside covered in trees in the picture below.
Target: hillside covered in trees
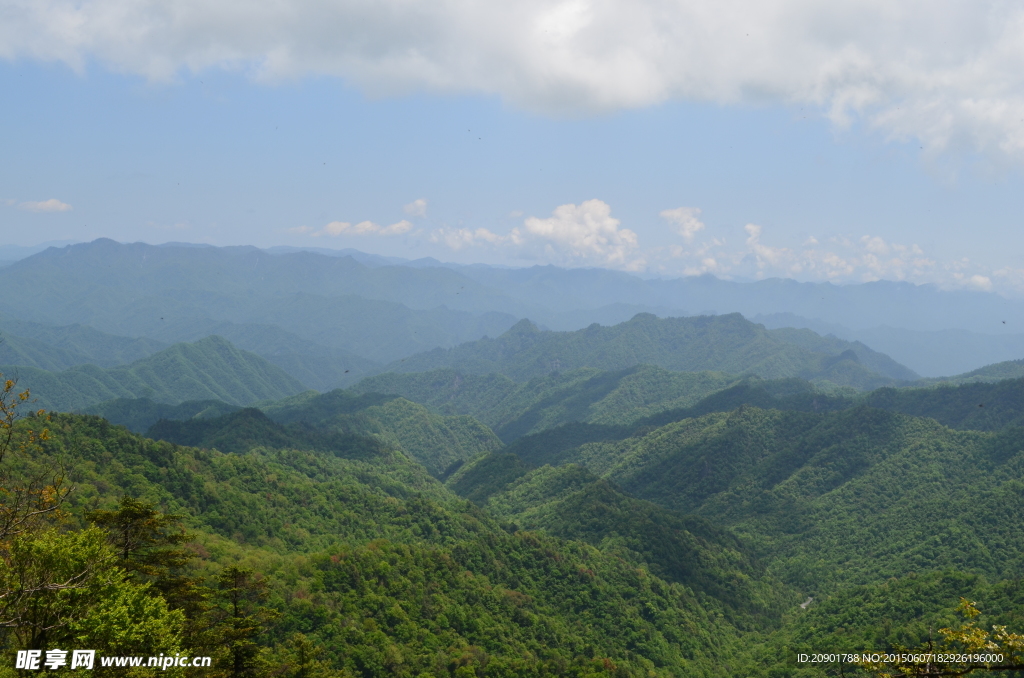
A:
(379, 536)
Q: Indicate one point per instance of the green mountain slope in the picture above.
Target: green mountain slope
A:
(433, 440)
(209, 369)
(1010, 369)
(392, 575)
(138, 414)
(979, 406)
(75, 344)
(845, 507)
(572, 503)
(15, 350)
(319, 367)
(515, 409)
(816, 490)
(726, 343)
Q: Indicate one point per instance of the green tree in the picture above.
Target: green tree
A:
(63, 589)
(26, 504)
(149, 546)
(238, 619)
(964, 649)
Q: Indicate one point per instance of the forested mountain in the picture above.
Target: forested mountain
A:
(978, 406)
(179, 292)
(317, 366)
(209, 369)
(727, 343)
(138, 414)
(1009, 369)
(71, 345)
(626, 548)
(686, 496)
(844, 507)
(385, 573)
(433, 440)
(588, 395)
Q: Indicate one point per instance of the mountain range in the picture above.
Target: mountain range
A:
(495, 494)
(308, 300)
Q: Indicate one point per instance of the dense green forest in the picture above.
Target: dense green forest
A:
(372, 535)
(693, 496)
(366, 565)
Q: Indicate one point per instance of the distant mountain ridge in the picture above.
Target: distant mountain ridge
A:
(933, 354)
(209, 369)
(726, 343)
(378, 313)
(58, 347)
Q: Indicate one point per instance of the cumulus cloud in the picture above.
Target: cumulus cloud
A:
(417, 208)
(583, 234)
(336, 228)
(947, 72)
(51, 205)
(574, 235)
(686, 221)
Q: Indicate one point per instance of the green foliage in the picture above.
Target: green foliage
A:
(249, 428)
(571, 503)
(63, 590)
(435, 441)
(815, 491)
(209, 369)
(976, 406)
(584, 395)
(240, 619)
(486, 475)
(378, 564)
(971, 406)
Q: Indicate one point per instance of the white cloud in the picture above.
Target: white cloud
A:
(336, 228)
(458, 238)
(417, 208)
(947, 72)
(838, 259)
(686, 221)
(574, 235)
(583, 234)
(51, 205)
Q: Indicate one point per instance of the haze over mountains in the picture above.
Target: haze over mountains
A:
(328, 320)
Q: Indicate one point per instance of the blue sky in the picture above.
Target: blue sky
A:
(555, 134)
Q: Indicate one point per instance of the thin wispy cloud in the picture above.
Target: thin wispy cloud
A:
(338, 228)
(686, 221)
(945, 72)
(51, 205)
